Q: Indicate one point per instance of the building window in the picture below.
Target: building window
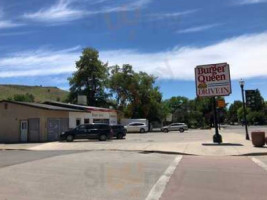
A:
(6, 106)
(78, 122)
(102, 121)
(86, 121)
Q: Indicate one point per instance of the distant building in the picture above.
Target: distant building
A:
(91, 115)
(35, 122)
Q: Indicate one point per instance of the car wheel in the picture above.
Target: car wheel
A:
(142, 130)
(69, 138)
(165, 130)
(120, 136)
(181, 130)
(103, 137)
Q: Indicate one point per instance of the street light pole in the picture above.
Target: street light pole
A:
(242, 83)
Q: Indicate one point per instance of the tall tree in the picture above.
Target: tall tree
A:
(135, 93)
(232, 112)
(90, 79)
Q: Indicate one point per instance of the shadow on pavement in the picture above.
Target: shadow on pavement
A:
(223, 144)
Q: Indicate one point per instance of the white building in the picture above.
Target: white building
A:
(89, 115)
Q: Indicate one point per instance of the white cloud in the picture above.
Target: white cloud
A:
(245, 2)
(8, 24)
(4, 24)
(172, 14)
(247, 56)
(64, 10)
(39, 63)
(60, 12)
(198, 28)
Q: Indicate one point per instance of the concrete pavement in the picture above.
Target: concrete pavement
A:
(192, 142)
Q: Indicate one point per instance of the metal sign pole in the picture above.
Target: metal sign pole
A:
(217, 138)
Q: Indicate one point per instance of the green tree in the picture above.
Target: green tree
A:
(90, 79)
(122, 84)
(256, 118)
(232, 112)
(179, 108)
(259, 102)
(240, 113)
(23, 97)
(135, 93)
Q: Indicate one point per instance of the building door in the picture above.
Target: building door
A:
(53, 129)
(34, 130)
(24, 131)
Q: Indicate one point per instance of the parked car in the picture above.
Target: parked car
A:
(136, 127)
(175, 127)
(119, 131)
(101, 132)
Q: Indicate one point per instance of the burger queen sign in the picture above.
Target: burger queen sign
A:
(213, 80)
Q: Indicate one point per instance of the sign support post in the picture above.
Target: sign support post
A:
(217, 138)
(214, 80)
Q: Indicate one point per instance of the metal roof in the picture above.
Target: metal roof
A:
(80, 107)
(43, 106)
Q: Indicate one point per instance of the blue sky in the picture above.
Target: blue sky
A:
(41, 40)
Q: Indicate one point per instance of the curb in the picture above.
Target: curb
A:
(150, 152)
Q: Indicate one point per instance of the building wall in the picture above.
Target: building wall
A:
(73, 116)
(113, 118)
(11, 117)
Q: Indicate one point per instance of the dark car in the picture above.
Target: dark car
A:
(101, 132)
(119, 131)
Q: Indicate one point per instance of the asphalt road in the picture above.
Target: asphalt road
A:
(85, 175)
(107, 175)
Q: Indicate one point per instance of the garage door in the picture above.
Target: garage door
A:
(55, 127)
(34, 130)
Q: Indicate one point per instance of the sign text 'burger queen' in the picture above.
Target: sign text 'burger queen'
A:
(213, 80)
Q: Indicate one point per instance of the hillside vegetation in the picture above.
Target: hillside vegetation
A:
(40, 93)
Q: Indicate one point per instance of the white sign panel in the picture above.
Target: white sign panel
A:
(213, 80)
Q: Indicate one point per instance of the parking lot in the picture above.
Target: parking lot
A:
(132, 168)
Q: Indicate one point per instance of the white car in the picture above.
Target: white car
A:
(175, 127)
(136, 127)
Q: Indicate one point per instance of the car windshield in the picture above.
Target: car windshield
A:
(133, 99)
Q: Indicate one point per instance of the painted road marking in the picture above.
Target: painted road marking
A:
(259, 163)
(159, 187)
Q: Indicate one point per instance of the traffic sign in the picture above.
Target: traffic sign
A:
(220, 103)
(251, 98)
(213, 80)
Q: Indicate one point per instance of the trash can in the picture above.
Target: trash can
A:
(258, 138)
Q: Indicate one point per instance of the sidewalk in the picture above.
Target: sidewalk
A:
(234, 145)
(21, 146)
(209, 178)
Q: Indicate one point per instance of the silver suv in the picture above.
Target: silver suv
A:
(175, 127)
(136, 127)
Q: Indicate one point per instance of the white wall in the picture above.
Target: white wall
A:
(79, 115)
(112, 116)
